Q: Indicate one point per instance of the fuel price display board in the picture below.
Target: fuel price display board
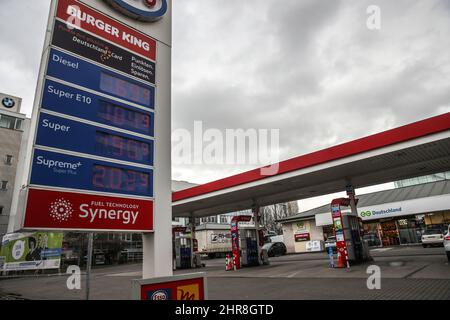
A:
(92, 166)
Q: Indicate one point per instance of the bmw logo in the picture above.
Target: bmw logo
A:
(8, 103)
(143, 10)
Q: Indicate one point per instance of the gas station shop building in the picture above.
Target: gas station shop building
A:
(390, 217)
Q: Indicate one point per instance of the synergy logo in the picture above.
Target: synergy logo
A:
(145, 10)
(8, 103)
(61, 210)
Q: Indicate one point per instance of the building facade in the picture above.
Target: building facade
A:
(12, 125)
(422, 179)
(391, 217)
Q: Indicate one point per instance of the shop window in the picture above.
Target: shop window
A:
(328, 231)
(390, 234)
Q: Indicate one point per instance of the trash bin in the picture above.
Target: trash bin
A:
(197, 260)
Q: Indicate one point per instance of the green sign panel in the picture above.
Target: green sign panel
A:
(31, 251)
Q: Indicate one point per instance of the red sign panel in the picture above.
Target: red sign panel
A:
(90, 20)
(190, 289)
(302, 237)
(65, 210)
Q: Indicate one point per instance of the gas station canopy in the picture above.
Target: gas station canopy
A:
(416, 149)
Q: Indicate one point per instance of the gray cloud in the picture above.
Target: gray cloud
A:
(309, 68)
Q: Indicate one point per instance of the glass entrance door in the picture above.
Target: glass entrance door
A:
(409, 231)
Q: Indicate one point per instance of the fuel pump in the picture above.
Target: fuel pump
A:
(183, 248)
(235, 245)
(249, 256)
(347, 229)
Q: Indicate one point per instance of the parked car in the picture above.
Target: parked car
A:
(432, 237)
(447, 243)
(330, 242)
(98, 257)
(275, 249)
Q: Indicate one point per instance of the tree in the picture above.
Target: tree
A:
(271, 214)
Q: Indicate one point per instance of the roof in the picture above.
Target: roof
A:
(212, 226)
(383, 197)
(382, 139)
(415, 149)
(220, 226)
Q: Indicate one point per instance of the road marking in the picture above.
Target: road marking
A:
(125, 274)
(381, 249)
(294, 274)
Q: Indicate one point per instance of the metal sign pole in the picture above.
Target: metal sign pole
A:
(89, 263)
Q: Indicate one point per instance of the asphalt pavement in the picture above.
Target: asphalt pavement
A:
(406, 273)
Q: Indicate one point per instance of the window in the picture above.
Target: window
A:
(18, 124)
(1, 209)
(10, 122)
(7, 122)
(8, 159)
(3, 185)
(127, 237)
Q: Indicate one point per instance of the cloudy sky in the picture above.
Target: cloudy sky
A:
(310, 68)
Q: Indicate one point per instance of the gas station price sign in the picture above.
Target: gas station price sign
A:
(94, 138)
(78, 72)
(61, 133)
(82, 104)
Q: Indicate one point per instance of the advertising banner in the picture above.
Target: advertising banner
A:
(299, 237)
(314, 246)
(31, 251)
(219, 238)
(67, 210)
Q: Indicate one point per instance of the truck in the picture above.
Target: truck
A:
(214, 239)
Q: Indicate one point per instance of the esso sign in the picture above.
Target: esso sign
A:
(160, 295)
(144, 10)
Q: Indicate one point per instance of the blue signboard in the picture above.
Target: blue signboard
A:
(76, 136)
(79, 103)
(71, 69)
(66, 171)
